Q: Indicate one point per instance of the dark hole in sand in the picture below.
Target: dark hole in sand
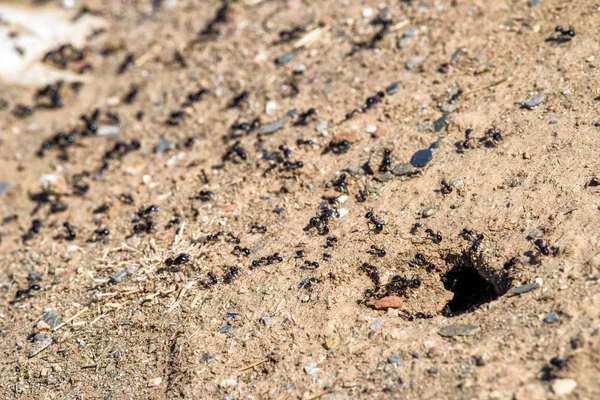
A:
(472, 283)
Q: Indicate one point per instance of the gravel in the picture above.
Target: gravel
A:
(534, 101)
(459, 330)
(421, 158)
(119, 276)
(551, 318)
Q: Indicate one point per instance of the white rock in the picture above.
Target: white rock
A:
(225, 383)
(562, 387)
(155, 382)
(271, 106)
(367, 12)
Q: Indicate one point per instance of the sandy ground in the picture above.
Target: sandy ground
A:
(146, 299)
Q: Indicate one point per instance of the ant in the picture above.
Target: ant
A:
(276, 257)
(35, 228)
(238, 250)
(238, 99)
(564, 31)
(539, 243)
(205, 195)
(340, 183)
(289, 34)
(399, 284)
(340, 147)
(131, 95)
(127, 62)
(373, 273)
(361, 197)
(174, 221)
(378, 224)
(219, 18)
(237, 149)
(421, 260)
(22, 292)
(182, 258)
(446, 188)
(302, 117)
(196, 96)
(435, 237)
(174, 118)
(301, 142)
(465, 143)
(72, 234)
(376, 251)
(258, 229)
(310, 265)
(300, 254)
(331, 242)
(245, 126)
(386, 162)
(511, 262)
(470, 235)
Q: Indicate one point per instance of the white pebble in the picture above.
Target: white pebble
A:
(107, 130)
(342, 212)
(562, 387)
(367, 12)
(271, 106)
(228, 383)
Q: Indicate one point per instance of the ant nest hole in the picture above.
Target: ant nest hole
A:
(473, 281)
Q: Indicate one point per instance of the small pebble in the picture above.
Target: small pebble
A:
(414, 64)
(534, 2)
(562, 387)
(162, 146)
(367, 12)
(299, 69)
(155, 382)
(310, 369)
(387, 302)
(266, 320)
(429, 211)
(534, 101)
(440, 123)
(459, 330)
(51, 318)
(524, 288)
(119, 276)
(4, 187)
(551, 318)
(225, 329)
(553, 121)
(394, 359)
(403, 169)
(321, 125)
(228, 383)
(421, 158)
(392, 88)
(375, 325)
(285, 58)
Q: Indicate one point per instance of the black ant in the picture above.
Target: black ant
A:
(246, 126)
(511, 262)
(276, 257)
(289, 34)
(182, 258)
(302, 117)
(258, 229)
(21, 110)
(205, 195)
(415, 228)
(399, 284)
(52, 92)
(446, 188)
(331, 242)
(239, 98)
(564, 31)
(340, 183)
(219, 18)
(127, 62)
(378, 224)
(174, 221)
(361, 197)
(72, 234)
(470, 235)
(373, 273)
(465, 143)
(239, 250)
(300, 254)
(421, 260)
(310, 265)
(370, 102)
(539, 243)
(131, 95)
(22, 292)
(292, 165)
(196, 96)
(386, 162)
(435, 237)
(174, 118)
(235, 149)
(340, 147)
(376, 251)
(302, 142)
(35, 229)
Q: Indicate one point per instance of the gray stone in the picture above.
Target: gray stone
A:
(523, 288)
(321, 125)
(551, 318)
(119, 275)
(285, 58)
(534, 2)
(440, 123)
(553, 121)
(310, 369)
(375, 325)
(353, 170)
(534, 101)
(225, 383)
(40, 342)
(403, 169)
(266, 320)
(275, 125)
(414, 63)
(4, 187)
(392, 88)
(429, 211)
(162, 146)
(435, 144)
(394, 359)
(51, 318)
(421, 158)
(459, 330)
